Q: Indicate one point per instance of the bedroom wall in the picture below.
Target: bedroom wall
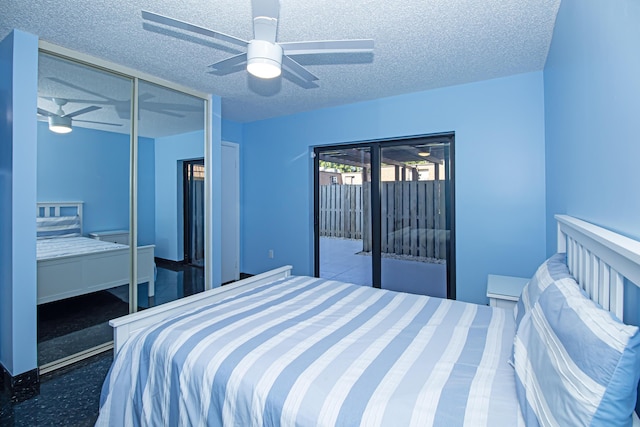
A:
(18, 103)
(500, 183)
(169, 152)
(92, 166)
(592, 113)
(232, 131)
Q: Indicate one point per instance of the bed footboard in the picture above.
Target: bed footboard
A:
(73, 275)
(126, 326)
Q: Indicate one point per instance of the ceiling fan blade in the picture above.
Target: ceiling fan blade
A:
(230, 62)
(73, 86)
(44, 112)
(157, 106)
(89, 101)
(297, 69)
(163, 111)
(266, 8)
(150, 16)
(145, 97)
(299, 81)
(83, 111)
(98, 123)
(327, 46)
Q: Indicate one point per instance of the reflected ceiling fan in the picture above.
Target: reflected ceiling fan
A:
(265, 57)
(123, 107)
(60, 122)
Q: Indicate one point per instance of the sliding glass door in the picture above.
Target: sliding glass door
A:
(414, 212)
(402, 206)
(343, 212)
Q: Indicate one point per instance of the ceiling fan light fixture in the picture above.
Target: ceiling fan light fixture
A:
(264, 59)
(60, 124)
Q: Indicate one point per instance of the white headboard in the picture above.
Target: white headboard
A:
(54, 209)
(599, 260)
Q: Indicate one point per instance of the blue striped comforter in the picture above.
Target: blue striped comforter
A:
(67, 246)
(311, 352)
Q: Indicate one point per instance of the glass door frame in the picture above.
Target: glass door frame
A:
(136, 76)
(375, 147)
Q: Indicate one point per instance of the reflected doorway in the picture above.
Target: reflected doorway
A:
(194, 212)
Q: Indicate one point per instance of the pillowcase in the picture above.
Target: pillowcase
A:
(555, 268)
(58, 226)
(575, 363)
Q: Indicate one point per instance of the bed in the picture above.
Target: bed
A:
(70, 264)
(278, 349)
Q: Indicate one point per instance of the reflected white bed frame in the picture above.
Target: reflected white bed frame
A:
(73, 275)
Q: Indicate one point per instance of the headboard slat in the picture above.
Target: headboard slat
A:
(603, 277)
(54, 209)
(618, 287)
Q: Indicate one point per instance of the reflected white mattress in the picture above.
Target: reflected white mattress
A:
(65, 246)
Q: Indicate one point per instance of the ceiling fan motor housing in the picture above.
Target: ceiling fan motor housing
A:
(60, 124)
(264, 59)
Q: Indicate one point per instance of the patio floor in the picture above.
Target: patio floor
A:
(340, 260)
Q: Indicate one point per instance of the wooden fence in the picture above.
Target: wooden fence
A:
(413, 216)
(341, 211)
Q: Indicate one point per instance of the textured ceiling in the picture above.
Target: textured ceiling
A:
(419, 44)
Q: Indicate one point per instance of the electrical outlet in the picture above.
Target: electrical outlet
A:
(270, 253)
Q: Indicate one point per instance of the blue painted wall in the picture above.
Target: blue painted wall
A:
(92, 166)
(18, 103)
(231, 131)
(146, 192)
(592, 114)
(500, 183)
(170, 151)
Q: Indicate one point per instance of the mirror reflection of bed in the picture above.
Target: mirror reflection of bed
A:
(83, 192)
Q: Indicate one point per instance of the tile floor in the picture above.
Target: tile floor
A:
(340, 259)
(70, 396)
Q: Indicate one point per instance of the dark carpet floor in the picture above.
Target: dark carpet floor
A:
(68, 397)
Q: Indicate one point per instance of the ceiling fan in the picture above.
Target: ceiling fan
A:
(60, 122)
(265, 57)
(123, 106)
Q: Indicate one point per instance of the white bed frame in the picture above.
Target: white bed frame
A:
(73, 275)
(599, 258)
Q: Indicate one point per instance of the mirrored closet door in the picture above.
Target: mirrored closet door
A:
(83, 170)
(112, 149)
(171, 139)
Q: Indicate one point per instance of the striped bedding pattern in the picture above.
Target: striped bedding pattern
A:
(575, 363)
(305, 351)
(58, 226)
(65, 246)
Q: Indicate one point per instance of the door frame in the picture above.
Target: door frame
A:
(376, 214)
(186, 208)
